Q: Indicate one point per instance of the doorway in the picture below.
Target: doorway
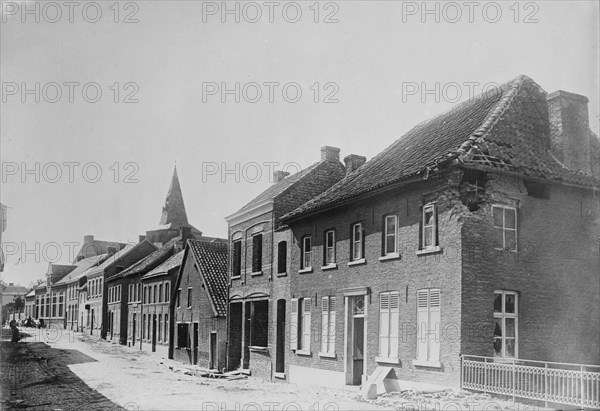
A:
(195, 344)
(154, 333)
(355, 335)
(280, 352)
(213, 363)
(133, 330)
(234, 355)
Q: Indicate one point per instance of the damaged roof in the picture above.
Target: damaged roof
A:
(164, 268)
(152, 260)
(211, 260)
(506, 128)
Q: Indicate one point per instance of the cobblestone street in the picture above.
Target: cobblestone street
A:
(51, 370)
(35, 375)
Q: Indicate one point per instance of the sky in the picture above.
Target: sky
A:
(127, 90)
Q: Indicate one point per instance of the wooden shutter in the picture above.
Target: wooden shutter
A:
(306, 323)
(422, 323)
(434, 325)
(324, 323)
(384, 323)
(331, 341)
(394, 323)
(294, 324)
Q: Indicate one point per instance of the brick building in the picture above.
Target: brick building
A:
(259, 269)
(476, 233)
(199, 305)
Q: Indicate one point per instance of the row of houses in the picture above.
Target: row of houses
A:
(476, 233)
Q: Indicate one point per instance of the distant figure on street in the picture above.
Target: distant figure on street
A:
(16, 335)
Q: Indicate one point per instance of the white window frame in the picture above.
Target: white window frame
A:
(306, 253)
(504, 228)
(357, 240)
(389, 324)
(387, 234)
(503, 315)
(428, 327)
(328, 326)
(433, 207)
(329, 248)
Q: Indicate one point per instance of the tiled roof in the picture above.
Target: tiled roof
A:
(97, 247)
(14, 289)
(82, 267)
(278, 188)
(211, 259)
(115, 257)
(151, 260)
(505, 129)
(164, 268)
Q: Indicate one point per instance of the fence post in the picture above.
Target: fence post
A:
(514, 384)
(546, 385)
(581, 377)
(484, 374)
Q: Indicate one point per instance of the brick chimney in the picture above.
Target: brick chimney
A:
(111, 250)
(279, 175)
(88, 239)
(570, 136)
(329, 153)
(185, 233)
(353, 161)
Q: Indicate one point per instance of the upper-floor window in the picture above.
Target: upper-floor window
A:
(257, 253)
(429, 226)
(306, 252)
(281, 257)
(160, 293)
(189, 297)
(329, 247)
(356, 250)
(145, 295)
(390, 237)
(178, 298)
(167, 292)
(237, 259)
(506, 317)
(505, 227)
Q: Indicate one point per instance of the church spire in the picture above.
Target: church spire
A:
(173, 211)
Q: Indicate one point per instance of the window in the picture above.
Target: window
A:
(154, 300)
(282, 257)
(329, 248)
(428, 322)
(61, 297)
(167, 292)
(189, 298)
(53, 304)
(178, 298)
(183, 335)
(257, 253)
(145, 295)
(429, 226)
(160, 293)
(159, 332)
(506, 324)
(328, 325)
(166, 332)
(304, 329)
(237, 259)
(306, 253)
(390, 235)
(149, 326)
(389, 310)
(505, 227)
(356, 251)
(259, 323)
(144, 327)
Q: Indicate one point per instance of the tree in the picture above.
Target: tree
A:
(19, 304)
(39, 281)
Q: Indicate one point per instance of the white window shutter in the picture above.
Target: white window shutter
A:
(422, 324)
(331, 325)
(324, 323)
(384, 321)
(394, 323)
(434, 325)
(306, 324)
(294, 324)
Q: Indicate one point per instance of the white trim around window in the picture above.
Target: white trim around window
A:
(505, 227)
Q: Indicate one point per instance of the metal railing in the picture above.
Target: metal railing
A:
(551, 382)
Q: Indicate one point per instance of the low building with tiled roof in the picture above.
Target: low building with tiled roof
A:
(199, 305)
(260, 246)
(470, 240)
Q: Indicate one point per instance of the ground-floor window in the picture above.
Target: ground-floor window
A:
(144, 327)
(183, 335)
(259, 320)
(159, 333)
(428, 322)
(328, 324)
(389, 310)
(506, 318)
